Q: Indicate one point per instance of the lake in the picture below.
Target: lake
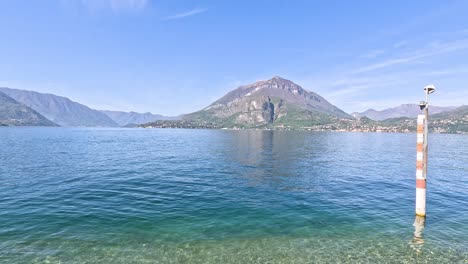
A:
(82, 195)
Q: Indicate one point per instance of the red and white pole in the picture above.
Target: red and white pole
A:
(421, 156)
(421, 164)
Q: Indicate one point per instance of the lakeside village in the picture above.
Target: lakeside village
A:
(363, 124)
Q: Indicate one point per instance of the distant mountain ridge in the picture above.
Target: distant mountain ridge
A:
(458, 112)
(128, 118)
(60, 110)
(274, 102)
(14, 113)
(453, 122)
(404, 110)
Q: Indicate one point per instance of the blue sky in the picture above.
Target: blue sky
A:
(174, 57)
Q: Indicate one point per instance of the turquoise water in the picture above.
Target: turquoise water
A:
(76, 195)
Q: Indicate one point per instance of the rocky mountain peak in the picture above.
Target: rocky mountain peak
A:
(267, 102)
(279, 80)
(276, 82)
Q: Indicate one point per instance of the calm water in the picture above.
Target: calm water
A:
(72, 195)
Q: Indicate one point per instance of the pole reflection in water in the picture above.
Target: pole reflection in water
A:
(417, 242)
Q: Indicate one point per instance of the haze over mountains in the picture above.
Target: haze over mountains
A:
(65, 112)
(129, 118)
(273, 103)
(60, 110)
(13, 113)
(404, 110)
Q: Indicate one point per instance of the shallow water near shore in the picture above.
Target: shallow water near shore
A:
(82, 195)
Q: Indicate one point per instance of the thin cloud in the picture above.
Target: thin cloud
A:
(192, 12)
(463, 31)
(450, 71)
(452, 98)
(350, 92)
(434, 49)
(372, 54)
(387, 63)
(102, 5)
(400, 44)
(128, 4)
(346, 92)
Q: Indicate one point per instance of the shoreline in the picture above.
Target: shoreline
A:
(249, 129)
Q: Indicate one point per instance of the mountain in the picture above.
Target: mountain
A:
(404, 110)
(455, 121)
(128, 118)
(59, 109)
(13, 113)
(276, 102)
(458, 113)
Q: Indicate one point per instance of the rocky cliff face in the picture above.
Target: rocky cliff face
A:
(268, 102)
(13, 113)
(258, 110)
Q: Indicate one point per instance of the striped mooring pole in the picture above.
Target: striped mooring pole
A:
(421, 156)
(421, 165)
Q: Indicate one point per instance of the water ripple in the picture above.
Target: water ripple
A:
(75, 195)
